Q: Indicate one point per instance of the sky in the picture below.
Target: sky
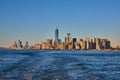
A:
(36, 20)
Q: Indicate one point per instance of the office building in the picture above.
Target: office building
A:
(48, 43)
(26, 45)
(80, 42)
(106, 43)
(98, 43)
(56, 35)
(73, 42)
(20, 44)
(68, 39)
(87, 43)
(59, 41)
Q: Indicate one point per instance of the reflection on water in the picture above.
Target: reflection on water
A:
(59, 65)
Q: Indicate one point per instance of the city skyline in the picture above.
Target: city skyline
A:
(69, 43)
(34, 21)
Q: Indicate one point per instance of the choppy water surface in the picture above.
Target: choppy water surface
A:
(59, 65)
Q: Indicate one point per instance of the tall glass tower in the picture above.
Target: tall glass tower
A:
(20, 44)
(56, 35)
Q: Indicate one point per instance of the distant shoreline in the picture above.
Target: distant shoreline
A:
(106, 50)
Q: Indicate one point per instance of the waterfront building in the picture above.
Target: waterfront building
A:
(14, 46)
(37, 46)
(26, 45)
(70, 46)
(62, 46)
(87, 43)
(55, 45)
(73, 42)
(94, 40)
(80, 41)
(106, 43)
(98, 43)
(44, 46)
(65, 40)
(59, 41)
(77, 45)
(93, 43)
(84, 46)
(68, 39)
(48, 43)
(20, 44)
(56, 35)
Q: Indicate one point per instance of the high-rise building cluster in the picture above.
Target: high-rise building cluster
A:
(69, 43)
(72, 43)
(18, 45)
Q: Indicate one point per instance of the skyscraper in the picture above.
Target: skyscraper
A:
(98, 43)
(26, 45)
(73, 42)
(68, 39)
(20, 44)
(87, 43)
(56, 35)
(105, 43)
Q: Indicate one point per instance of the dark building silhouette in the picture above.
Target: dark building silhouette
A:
(56, 35)
(73, 42)
(68, 39)
(20, 44)
(106, 44)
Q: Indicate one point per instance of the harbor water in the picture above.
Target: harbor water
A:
(59, 65)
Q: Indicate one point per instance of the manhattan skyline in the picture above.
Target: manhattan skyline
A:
(34, 21)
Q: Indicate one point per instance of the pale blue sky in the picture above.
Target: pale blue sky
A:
(36, 20)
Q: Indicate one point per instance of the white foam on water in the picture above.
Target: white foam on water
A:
(76, 65)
